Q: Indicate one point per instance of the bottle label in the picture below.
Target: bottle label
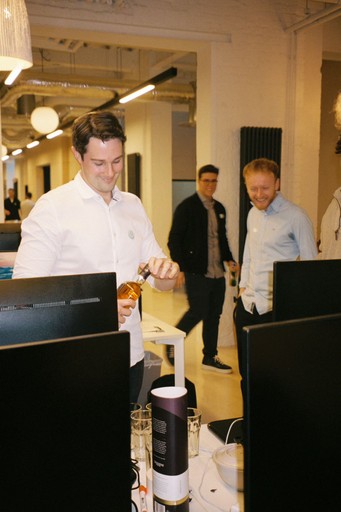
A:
(170, 489)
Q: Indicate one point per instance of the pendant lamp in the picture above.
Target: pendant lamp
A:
(44, 119)
(15, 36)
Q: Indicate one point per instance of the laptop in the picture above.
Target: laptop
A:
(228, 431)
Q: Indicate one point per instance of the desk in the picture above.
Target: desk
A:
(207, 491)
(160, 333)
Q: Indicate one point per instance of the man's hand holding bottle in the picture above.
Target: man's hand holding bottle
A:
(163, 270)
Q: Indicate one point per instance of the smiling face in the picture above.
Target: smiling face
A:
(101, 165)
(262, 187)
(207, 184)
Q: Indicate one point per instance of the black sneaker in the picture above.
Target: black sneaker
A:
(214, 364)
(170, 354)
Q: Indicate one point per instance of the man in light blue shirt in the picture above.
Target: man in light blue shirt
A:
(277, 230)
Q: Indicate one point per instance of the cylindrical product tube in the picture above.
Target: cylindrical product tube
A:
(170, 449)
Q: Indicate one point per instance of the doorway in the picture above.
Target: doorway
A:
(43, 179)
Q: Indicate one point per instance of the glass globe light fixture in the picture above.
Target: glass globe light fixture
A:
(44, 119)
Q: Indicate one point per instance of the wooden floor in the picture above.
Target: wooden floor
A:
(218, 395)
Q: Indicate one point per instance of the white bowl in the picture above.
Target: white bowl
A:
(230, 464)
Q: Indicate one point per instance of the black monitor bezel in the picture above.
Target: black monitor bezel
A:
(306, 288)
(292, 414)
(40, 308)
(65, 427)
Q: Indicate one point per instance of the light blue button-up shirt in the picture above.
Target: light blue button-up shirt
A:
(283, 232)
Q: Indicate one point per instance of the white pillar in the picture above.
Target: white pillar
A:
(149, 132)
(212, 115)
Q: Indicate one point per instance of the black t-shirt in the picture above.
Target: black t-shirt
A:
(13, 208)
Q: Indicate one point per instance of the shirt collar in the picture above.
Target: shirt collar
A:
(87, 192)
(208, 202)
(274, 206)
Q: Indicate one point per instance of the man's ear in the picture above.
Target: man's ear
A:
(77, 155)
(277, 184)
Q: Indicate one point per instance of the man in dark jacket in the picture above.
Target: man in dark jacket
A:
(12, 206)
(198, 243)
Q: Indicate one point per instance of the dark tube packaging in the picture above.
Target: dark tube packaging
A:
(170, 449)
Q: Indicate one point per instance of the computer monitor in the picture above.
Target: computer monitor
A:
(42, 308)
(306, 288)
(292, 415)
(65, 425)
(10, 238)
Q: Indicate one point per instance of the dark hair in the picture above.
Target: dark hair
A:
(207, 168)
(262, 165)
(101, 124)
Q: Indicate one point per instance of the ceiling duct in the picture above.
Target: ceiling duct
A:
(26, 104)
(70, 100)
(192, 109)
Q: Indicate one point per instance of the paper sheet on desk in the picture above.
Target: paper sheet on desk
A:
(208, 489)
(150, 327)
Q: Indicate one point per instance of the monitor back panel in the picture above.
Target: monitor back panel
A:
(292, 415)
(53, 307)
(10, 236)
(306, 288)
(65, 426)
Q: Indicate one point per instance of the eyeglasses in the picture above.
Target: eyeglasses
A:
(209, 181)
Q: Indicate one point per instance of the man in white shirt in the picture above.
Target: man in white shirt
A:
(330, 238)
(277, 230)
(88, 225)
(26, 205)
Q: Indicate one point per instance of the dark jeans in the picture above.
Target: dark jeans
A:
(206, 299)
(243, 318)
(136, 378)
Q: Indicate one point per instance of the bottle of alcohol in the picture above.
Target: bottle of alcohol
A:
(132, 289)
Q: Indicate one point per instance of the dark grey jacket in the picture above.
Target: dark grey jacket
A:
(188, 237)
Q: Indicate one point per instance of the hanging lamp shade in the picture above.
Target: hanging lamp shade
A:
(15, 36)
(44, 119)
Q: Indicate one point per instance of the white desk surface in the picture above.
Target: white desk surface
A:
(159, 332)
(156, 330)
(208, 492)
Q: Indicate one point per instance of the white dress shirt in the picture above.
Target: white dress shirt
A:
(72, 230)
(283, 232)
(330, 245)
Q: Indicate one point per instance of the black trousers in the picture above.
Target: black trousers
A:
(205, 299)
(243, 318)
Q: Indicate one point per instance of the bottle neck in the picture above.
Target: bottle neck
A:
(143, 274)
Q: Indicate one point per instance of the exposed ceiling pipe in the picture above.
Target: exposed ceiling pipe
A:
(82, 97)
(43, 88)
(99, 93)
(327, 14)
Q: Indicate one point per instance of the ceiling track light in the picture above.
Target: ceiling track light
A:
(54, 134)
(148, 86)
(137, 93)
(16, 152)
(13, 75)
(32, 144)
